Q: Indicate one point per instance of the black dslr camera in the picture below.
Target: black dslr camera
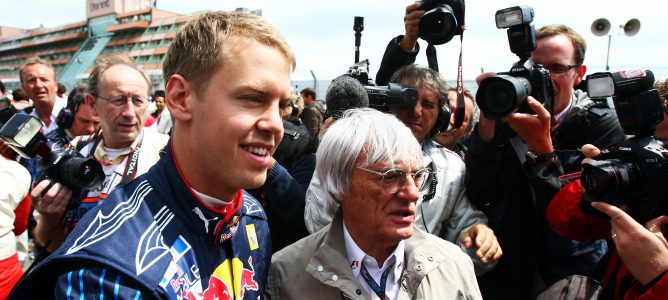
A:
(635, 172)
(505, 93)
(381, 97)
(442, 21)
(66, 166)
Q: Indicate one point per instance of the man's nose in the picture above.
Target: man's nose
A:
(271, 121)
(409, 190)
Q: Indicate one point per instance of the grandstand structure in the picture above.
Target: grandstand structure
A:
(135, 27)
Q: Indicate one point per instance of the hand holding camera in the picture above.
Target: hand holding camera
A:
(534, 128)
(634, 172)
(50, 198)
(412, 26)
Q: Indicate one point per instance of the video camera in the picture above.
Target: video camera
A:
(442, 21)
(635, 172)
(505, 93)
(66, 166)
(381, 97)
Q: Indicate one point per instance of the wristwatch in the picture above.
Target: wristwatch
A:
(535, 159)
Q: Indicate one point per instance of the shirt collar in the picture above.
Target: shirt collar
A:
(58, 105)
(356, 256)
(101, 153)
(211, 201)
(560, 116)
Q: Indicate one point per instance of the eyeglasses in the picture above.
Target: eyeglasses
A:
(394, 179)
(560, 69)
(120, 100)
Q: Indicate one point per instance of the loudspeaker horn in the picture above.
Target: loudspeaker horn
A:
(600, 27)
(632, 27)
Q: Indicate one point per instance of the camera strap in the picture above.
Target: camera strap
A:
(131, 162)
(460, 109)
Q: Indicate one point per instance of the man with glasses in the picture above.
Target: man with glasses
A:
(372, 165)
(444, 209)
(515, 168)
(117, 93)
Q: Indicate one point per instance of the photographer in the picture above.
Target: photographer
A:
(514, 168)
(75, 119)
(118, 94)
(643, 250)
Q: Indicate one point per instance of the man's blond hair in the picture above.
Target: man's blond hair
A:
(35, 60)
(201, 45)
(103, 64)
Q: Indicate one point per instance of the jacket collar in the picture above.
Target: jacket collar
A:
(329, 264)
(330, 260)
(192, 212)
(420, 260)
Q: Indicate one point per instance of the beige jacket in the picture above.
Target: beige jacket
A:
(316, 267)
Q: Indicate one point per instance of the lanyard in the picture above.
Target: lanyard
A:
(130, 166)
(378, 289)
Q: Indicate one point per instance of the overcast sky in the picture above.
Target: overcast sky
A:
(320, 32)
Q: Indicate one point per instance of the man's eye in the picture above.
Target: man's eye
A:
(428, 104)
(254, 99)
(393, 175)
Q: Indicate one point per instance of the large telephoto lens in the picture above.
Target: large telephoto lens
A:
(82, 172)
(438, 25)
(608, 179)
(499, 96)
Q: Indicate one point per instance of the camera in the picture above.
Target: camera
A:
(66, 166)
(634, 172)
(381, 97)
(506, 92)
(442, 21)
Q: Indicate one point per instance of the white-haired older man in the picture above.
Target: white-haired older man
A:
(371, 163)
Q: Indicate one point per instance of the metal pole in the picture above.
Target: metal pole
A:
(315, 86)
(607, 58)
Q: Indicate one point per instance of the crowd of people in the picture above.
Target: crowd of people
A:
(228, 184)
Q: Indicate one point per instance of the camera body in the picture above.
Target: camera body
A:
(442, 21)
(66, 166)
(634, 172)
(382, 97)
(506, 92)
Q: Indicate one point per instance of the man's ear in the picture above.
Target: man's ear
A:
(581, 70)
(90, 101)
(179, 94)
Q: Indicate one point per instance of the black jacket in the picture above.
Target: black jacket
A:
(393, 59)
(514, 199)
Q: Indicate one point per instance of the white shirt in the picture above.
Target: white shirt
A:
(356, 257)
(57, 106)
(14, 186)
(211, 201)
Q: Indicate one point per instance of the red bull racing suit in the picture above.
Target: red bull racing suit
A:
(153, 238)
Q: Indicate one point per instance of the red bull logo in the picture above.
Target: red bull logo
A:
(229, 281)
(247, 281)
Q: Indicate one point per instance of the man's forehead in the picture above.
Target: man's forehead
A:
(37, 70)
(124, 79)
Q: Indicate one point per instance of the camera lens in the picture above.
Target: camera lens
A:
(608, 179)
(81, 172)
(438, 26)
(501, 95)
